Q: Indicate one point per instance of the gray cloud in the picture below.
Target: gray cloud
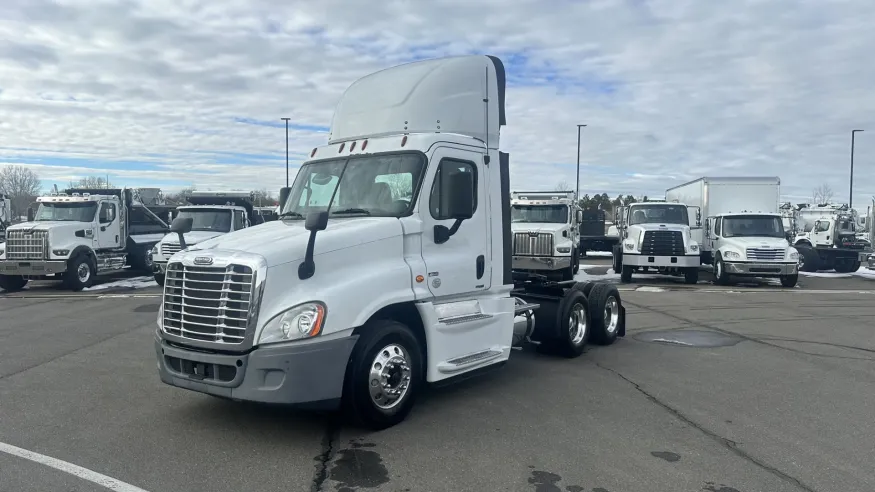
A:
(698, 87)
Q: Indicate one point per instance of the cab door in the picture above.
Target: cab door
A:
(108, 231)
(820, 233)
(462, 264)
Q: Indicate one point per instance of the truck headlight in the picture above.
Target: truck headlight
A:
(731, 255)
(794, 255)
(694, 247)
(60, 252)
(155, 250)
(302, 321)
(628, 245)
(564, 249)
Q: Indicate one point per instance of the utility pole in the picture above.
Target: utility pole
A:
(287, 150)
(851, 193)
(578, 162)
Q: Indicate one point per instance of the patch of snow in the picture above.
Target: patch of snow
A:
(127, 283)
(599, 254)
(861, 272)
(647, 288)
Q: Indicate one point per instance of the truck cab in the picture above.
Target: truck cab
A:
(751, 244)
(655, 236)
(545, 229)
(5, 215)
(75, 236)
(389, 266)
(212, 214)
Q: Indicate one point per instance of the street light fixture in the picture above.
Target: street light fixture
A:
(851, 193)
(287, 150)
(578, 161)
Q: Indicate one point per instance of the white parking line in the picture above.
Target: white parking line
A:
(75, 470)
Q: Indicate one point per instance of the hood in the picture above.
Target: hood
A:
(663, 227)
(537, 226)
(282, 241)
(757, 242)
(192, 237)
(55, 228)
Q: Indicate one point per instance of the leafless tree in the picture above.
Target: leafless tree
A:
(564, 185)
(180, 197)
(91, 182)
(22, 185)
(264, 198)
(823, 194)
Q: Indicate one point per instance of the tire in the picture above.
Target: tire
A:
(141, 260)
(80, 273)
(789, 280)
(847, 266)
(617, 264)
(809, 260)
(159, 278)
(574, 326)
(379, 337)
(585, 287)
(720, 275)
(605, 313)
(626, 276)
(691, 275)
(575, 262)
(12, 283)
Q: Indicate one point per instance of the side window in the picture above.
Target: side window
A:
(440, 190)
(107, 212)
(238, 220)
(821, 226)
(718, 226)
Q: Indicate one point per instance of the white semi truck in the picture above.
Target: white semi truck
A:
(743, 232)
(389, 267)
(545, 226)
(78, 235)
(655, 236)
(213, 213)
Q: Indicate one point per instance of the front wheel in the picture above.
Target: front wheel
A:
(159, 278)
(720, 275)
(80, 273)
(12, 283)
(691, 275)
(789, 280)
(384, 375)
(575, 260)
(626, 276)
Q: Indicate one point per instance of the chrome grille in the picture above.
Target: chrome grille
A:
(663, 243)
(26, 244)
(210, 304)
(535, 244)
(169, 249)
(765, 254)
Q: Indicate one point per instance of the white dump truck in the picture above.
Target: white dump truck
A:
(655, 236)
(545, 227)
(743, 232)
(213, 213)
(388, 268)
(79, 234)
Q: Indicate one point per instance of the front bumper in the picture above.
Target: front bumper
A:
(308, 374)
(639, 260)
(159, 266)
(870, 262)
(32, 268)
(760, 269)
(541, 262)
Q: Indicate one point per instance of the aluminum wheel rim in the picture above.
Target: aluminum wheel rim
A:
(389, 378)
(83, 272)
(801, 261)
(719, 269)
(612, 315)
(577, 324)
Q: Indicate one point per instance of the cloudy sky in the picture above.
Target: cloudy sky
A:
(191, 92)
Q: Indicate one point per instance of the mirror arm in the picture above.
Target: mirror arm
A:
(182, 244)
(443, 234)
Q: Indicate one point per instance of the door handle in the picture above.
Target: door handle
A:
(481, 266)
(102, 228)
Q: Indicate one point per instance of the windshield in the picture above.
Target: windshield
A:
(659, 214)
(208, 220)
(66, 211)
(753, 226)
(376, 185)
(557, 214)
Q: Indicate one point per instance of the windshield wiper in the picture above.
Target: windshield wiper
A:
(351, 211)
(291, 213)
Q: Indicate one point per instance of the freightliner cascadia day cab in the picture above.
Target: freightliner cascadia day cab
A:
(388, 268)
(744, 232)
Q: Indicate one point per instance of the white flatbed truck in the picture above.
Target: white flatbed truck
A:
(389, 267)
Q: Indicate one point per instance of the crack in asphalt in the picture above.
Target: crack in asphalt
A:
(748, 338)
(329, 445)
(725, 442)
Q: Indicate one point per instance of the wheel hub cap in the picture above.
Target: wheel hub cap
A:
(389, 376)
(83, 272)
(612, 314)
(577, 324)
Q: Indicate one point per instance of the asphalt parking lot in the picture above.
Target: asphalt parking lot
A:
(731, 389)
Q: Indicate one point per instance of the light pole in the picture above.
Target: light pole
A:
(851, 193)
(287, 150)
(578, 161)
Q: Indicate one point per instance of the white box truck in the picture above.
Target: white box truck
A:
(743, 233)
(388, 268)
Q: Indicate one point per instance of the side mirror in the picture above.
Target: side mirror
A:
(315, 222)
(180, 226)
(30, 215)
(284, 195)
(461, 205)
(579, 216)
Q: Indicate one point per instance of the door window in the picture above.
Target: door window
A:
(821, 226)
(238, 220)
